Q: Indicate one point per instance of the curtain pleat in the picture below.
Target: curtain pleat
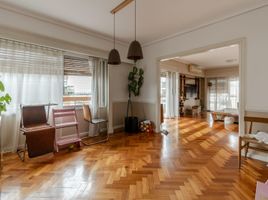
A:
(100, 90)
(100, 84)
(172, 95)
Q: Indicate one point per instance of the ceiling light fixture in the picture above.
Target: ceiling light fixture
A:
(135, 50)
(114, 56)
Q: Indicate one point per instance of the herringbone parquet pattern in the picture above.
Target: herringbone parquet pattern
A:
(194, 161)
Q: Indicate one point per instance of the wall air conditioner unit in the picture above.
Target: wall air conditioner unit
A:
(194, 69)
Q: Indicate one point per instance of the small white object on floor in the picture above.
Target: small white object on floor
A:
(262, 137)
(228, 120)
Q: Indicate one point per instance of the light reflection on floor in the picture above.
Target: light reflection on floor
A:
(171, 140)
(233, 140)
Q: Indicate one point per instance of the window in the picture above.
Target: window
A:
(234, 92)
(78, 79)
(223, 93)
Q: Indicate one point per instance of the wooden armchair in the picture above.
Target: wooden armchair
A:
(40, 136)
(248, 142)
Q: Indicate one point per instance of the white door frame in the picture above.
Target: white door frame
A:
(242, 66)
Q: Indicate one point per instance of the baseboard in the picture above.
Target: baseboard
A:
(118, 128)
(83, 134)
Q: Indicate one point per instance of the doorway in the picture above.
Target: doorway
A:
(209, 83)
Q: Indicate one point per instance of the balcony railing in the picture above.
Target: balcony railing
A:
(76, 100)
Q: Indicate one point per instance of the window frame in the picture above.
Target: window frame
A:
(83, 98)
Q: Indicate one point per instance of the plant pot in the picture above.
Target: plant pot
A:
(131, 125)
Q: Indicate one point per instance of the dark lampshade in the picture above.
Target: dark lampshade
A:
(135, 51)
(114, 57)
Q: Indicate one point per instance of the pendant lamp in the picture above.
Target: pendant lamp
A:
(114, 57)
(135, 50)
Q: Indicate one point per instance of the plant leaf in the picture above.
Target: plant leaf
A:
(5, 99)
(8, 98)
(135, 70)
(141, 72)
(131, 76)
(135, 81)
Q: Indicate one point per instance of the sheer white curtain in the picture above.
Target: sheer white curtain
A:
(32, 75)
(223, 93)
(100, 85)
(99, 92)
(172, 95)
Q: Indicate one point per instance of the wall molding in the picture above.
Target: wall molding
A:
(184, 32)
(92, 33)
(59, 23)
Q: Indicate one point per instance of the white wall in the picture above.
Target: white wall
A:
(118, 91)
(252, 26)
(119, 81)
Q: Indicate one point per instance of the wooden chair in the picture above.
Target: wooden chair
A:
(96, 122)
(62, 115)
(246, 141)
(40, 136)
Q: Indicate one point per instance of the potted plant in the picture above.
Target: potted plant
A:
(4, 100)
(135, 81)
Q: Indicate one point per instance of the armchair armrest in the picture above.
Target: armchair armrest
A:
(35, 128)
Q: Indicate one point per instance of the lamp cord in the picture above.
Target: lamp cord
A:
(135, 20)
(114, 30)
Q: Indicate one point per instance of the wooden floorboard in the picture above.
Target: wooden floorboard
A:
(195, 161)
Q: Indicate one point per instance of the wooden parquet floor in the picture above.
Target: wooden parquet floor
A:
(195, 161)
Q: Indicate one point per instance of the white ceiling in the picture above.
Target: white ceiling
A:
(227, 56)
(156, 19)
